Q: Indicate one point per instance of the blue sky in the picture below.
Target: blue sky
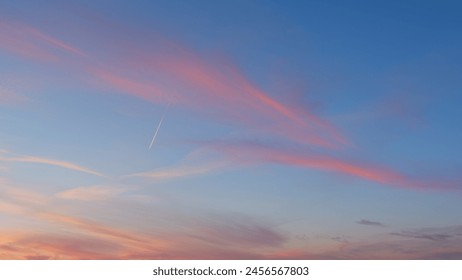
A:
(298, 130)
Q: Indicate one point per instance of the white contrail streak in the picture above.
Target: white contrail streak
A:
(158, 127)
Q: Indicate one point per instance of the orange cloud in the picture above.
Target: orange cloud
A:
(63, 236)
(77, 238)
(19, 202)
(53, 234)
(25, 245)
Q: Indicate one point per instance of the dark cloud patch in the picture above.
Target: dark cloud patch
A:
(432, 233)
(370, 223)
(428, 236)
(341, 239)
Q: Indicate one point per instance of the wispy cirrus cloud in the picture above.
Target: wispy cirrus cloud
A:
(27, 204)
(167, 72)
(30, 42)
(196, 163)
(181, 171)
(93, 193)
(196, 236)
(51, 162)
(73, 236)
(256, 152)
(244, 151)
(70, 237)
(216, 90)
(103, 222)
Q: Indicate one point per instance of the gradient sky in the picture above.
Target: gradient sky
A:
(230, 130)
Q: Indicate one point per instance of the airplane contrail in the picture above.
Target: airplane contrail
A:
(158, 127)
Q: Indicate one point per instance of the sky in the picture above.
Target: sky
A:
(230, 129)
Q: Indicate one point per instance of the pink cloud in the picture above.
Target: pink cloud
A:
(217, 89)
(246, 152)
(170, 73)
(54, 42)
(29, 42)
(166, 72)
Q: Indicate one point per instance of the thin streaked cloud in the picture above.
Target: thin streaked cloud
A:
(261, 153)
(51, 162)
(181, 171)
(90, 193)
